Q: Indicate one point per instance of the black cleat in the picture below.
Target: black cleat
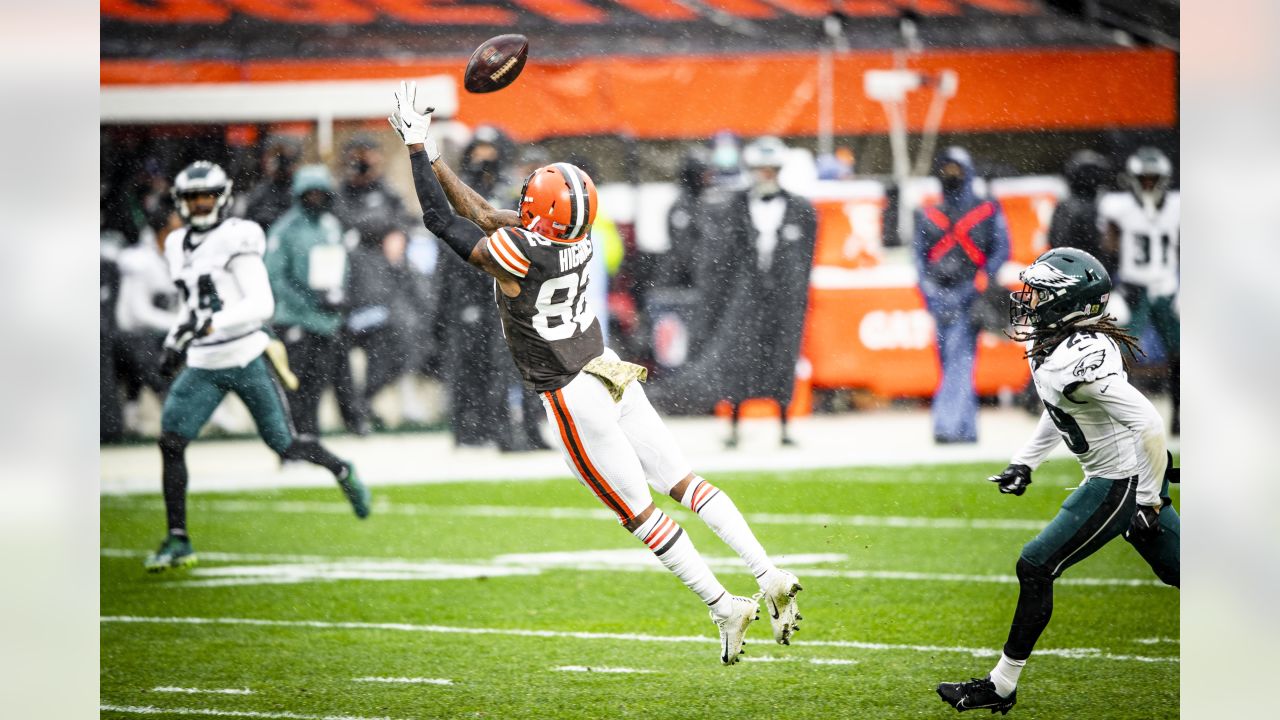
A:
(977, 694)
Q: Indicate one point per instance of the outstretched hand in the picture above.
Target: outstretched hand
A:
(1013, 480)
(412, 125)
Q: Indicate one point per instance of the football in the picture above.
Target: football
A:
(496, 63)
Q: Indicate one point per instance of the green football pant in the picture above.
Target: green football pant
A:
(196, 393)
(1097, 512)
(1092, 516)
(1157, 311)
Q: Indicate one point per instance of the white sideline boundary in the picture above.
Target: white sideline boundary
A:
(883, 438)
(401, 565)
(209, 712)
(306, 507)
(1072, 653)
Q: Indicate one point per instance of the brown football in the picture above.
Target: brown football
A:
(496, 63)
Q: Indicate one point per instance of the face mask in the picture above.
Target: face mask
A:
(951, 183)
(316, 206)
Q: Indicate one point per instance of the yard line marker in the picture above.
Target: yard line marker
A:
(407, 680)
(565, 513)
(606, 670)
(152, 710)
(1074, 653)
(811, 661)
(211, 691)
(504, 564)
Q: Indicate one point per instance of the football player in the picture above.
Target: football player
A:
(224, 298)
(612, 439)
(1117, 435)
(1141, 229)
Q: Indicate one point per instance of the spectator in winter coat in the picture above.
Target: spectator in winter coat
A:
(957, 241)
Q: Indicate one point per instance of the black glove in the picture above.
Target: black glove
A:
(1014, 479)
(1171, 472)
(197, 324)
(170, 363)
(1145, 523)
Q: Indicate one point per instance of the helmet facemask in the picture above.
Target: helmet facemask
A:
(201, 178)
(1039, 308)
(1147, 175)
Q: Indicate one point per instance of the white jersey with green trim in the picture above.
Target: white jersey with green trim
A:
(204, 267)
(1104, 446)
(1149, 240)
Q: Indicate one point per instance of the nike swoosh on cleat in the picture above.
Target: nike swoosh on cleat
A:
(962, 706)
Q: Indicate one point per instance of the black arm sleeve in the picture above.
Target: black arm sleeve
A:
(459, 233)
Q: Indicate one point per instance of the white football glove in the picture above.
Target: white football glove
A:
(411, 124)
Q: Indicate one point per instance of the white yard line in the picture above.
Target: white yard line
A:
(305, 507)
(404, 680)
(373, 565)
(604, 670)
(1158, 641)
(811, 661)
(203, 691)
(209, 712)
(1075, 653)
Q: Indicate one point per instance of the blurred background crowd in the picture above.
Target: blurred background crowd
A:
(757, 268)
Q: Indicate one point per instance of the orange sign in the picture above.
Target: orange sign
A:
(883, 339)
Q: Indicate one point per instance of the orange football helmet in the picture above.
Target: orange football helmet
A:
(559, 203)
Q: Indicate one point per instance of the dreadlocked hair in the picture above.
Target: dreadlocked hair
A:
(1043, 342)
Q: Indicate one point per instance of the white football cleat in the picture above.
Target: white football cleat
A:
(780, 600)
(734, 628)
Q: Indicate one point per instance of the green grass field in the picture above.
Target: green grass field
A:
(298, 610)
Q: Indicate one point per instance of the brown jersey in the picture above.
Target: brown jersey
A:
(548, 326)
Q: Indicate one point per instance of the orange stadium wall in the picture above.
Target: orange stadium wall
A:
(772, 93)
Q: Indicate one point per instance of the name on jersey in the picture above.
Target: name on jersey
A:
(572, 257)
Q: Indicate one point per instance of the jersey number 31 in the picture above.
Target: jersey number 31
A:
(562, 307)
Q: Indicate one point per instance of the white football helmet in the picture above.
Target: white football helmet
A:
(199, 178)
(1147, 174)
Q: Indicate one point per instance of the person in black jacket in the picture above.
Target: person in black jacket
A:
(388, 302)
(753, 280)
(471, 336)
(364, 201)
(273, 195)
(1075, 220)
(768, 303)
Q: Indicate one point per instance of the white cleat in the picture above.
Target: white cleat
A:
(734, 628)
(780, 600)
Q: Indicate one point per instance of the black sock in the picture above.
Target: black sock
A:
(174, 462)
(1035, 607)
(316, 454)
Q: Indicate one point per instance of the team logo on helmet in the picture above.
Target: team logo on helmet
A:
(1043, 275)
